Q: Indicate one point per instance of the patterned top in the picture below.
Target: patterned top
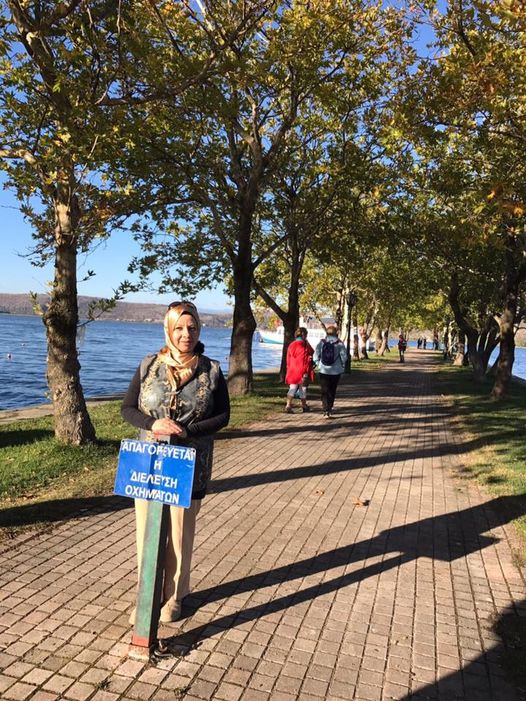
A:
(201, 406)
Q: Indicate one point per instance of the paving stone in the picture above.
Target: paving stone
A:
(18, 669)
(288, 684)
(37, 676)
(130, 668)
(341, 690)
(152, 675)
(43, 696)
(228, 692)
(202, 689)
(237, 676)
(315, 687)
(119, 685)
(103, 695)
(18, 691)
(141, 691)
(74, 669)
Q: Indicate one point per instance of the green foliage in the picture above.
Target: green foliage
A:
(57, 68)
(73, 80)
(462, 116)
(268, 122)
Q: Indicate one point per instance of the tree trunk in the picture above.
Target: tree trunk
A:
(344, 319)
(475, 357)
(492, 372)
(363, 349)
(290, 324)
(446, 339)
(488, 341)
(384, 347)
(356, 340)
(505, 360)
(514, 275)
(460, 356)
(378, 341)
(288, 317)
(479, 369)
(340, 307)
(240, 373)
(72, 422)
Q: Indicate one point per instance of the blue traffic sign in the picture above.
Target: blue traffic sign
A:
(156, 472)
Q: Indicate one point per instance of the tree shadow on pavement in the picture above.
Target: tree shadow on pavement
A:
(446, 537)
(245, 481)
(60, 510)
(352, 420)
(472, 682)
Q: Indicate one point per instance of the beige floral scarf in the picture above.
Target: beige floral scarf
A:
(181, 366)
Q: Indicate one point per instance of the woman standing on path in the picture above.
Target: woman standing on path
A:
(180, 396)
(330, 357)
(299, 369)
(402, 346)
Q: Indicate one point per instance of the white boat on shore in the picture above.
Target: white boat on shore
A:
(314, 337)
(276, 337)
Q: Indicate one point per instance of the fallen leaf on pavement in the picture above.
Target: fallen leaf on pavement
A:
(358, 501)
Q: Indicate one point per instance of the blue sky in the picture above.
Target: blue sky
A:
(109, 261)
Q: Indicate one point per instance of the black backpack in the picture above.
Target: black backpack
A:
(328, 352)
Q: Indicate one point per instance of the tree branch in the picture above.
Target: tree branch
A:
(269, 301)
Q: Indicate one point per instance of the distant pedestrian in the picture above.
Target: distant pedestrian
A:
(300, 372)
(424, 343)
(419, 343)
(330, 357)
(402, 346)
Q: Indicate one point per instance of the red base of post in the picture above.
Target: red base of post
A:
(138, 652)
(139, 641)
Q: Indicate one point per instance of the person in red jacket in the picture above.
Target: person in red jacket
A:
(300, 369)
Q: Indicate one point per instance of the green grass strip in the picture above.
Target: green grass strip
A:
(496, 431)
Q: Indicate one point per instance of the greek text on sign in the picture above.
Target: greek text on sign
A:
(156, 472)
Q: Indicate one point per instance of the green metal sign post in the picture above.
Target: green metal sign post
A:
(162, 474)
(150, 581)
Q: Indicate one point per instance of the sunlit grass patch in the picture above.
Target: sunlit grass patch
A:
(496, 431)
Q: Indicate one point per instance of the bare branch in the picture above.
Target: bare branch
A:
(461, 30)
(20, 153)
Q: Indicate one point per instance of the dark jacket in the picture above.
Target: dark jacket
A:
(202, 406)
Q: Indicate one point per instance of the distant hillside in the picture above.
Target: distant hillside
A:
(124, 311)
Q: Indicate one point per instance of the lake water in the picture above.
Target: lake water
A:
(109, 353)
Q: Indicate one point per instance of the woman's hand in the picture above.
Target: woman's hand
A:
(168, 427)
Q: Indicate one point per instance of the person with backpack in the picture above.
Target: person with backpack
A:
(330, 357)
(299, 369)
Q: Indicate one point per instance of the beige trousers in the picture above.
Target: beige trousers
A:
(179, 546)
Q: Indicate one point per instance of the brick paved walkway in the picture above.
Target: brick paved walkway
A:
(300, 592)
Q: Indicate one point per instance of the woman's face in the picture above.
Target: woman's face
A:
(185, 333)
